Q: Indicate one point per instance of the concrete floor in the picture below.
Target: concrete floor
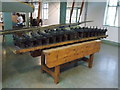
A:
(23, 71)
(1, 37)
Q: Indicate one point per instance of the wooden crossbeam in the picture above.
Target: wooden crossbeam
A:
(42, 28)
(18, 50)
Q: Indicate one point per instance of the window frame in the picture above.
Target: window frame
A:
(45, 8)
(76, 17)
(106, 13)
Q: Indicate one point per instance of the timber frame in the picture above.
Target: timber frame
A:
(65, 55)
(56, 73)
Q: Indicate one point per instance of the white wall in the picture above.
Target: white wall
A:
(53, 14)
(113, 34)
(96, 13)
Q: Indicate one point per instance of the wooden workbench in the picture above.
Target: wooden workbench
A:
(54, 58)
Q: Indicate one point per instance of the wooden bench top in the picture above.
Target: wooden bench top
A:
(64, 54)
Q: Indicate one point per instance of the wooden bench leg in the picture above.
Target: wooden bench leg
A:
(42, 62)
(56, 74)
(90, 61)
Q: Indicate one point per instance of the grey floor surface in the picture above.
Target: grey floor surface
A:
(23, 71)
(1, 62)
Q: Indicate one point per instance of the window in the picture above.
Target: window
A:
(1, 18)
(45, 11)
(75, 15)
(35, 13)
(111, 13)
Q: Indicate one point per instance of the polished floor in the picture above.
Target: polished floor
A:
(23, 71)
(1, 38)
(0, 62)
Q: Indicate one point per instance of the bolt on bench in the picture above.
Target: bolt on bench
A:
(56, 57)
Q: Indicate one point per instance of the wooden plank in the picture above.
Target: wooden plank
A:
(61, 55)
(41, 28)
(17, 51)
(81, 9)
(38, 19)
(73, 4)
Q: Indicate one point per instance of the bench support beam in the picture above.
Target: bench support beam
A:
(55, 74)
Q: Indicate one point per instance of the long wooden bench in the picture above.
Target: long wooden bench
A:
(54, 58)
